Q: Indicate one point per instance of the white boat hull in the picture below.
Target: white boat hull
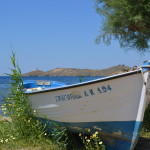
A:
(114, 106)
(88, 104)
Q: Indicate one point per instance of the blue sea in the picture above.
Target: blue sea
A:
(5, 83)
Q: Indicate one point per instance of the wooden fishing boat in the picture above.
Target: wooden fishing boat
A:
(114, 105)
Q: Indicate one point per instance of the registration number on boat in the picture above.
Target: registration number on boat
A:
(85, 93)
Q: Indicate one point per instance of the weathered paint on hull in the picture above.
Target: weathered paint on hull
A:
(88, 103)
(115, 106)
(115, 135)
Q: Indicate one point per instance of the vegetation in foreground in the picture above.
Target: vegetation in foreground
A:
(145, 132)
(22, 131)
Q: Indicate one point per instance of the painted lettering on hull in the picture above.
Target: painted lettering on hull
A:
(85, 93)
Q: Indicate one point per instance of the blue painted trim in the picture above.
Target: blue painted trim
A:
(117, 135)
(33, 84)
(146, 66)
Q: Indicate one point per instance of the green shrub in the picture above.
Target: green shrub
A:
(18, 108)
(145, 131)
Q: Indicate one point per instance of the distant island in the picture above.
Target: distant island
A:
(80, 72)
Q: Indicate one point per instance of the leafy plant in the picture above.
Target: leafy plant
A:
(127, 21)
(92, 142)
(146, 121)
(18, 108)
(81, 78)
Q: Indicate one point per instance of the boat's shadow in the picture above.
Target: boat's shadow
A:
(143, 144)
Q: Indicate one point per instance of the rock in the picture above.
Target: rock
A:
(34, 73)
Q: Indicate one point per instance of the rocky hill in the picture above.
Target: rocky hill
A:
(34, 73)
(79, 72)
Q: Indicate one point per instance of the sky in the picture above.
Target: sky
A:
(48, 34)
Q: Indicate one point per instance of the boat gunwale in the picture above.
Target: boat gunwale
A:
(86, 83)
